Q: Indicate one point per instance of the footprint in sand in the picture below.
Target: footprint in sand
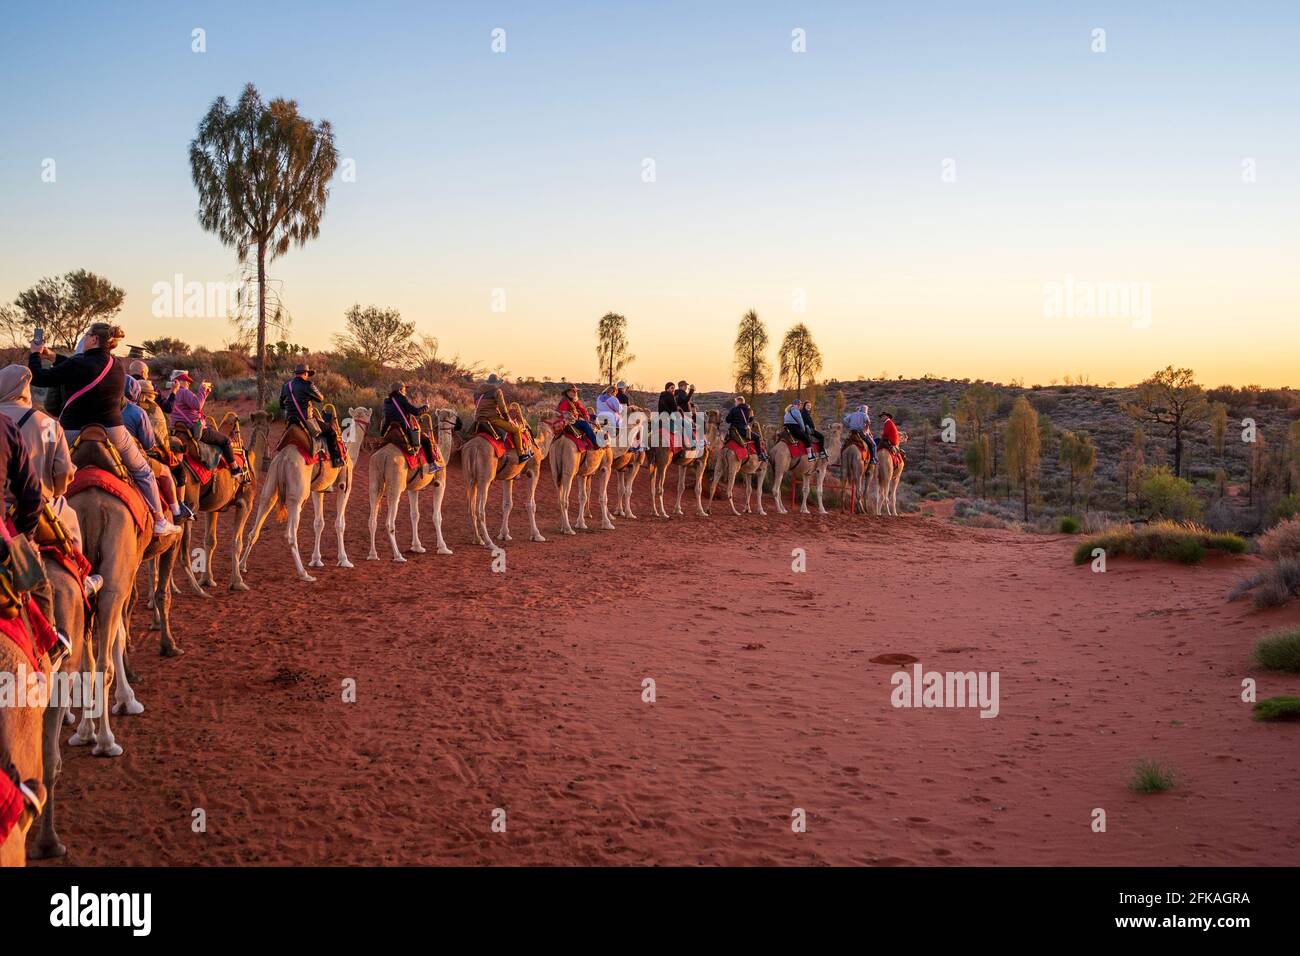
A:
(895, 660)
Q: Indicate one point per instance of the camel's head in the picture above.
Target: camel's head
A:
(259, 417)
(361, 415)
(446, 419)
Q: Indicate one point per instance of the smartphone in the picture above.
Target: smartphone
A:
(38, 339)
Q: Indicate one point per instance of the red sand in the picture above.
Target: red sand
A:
(523, 691)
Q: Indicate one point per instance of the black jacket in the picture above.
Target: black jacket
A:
(667, 402)
(305, 392)
(22, 487)
(808, 419)
(397, 401)
(102, 405)
(683, 399)
(737, 417)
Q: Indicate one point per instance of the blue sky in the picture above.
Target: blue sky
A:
(775, 172)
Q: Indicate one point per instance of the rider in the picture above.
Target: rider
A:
(94, 382)
(889, 435)
(810, 426)
(572, 408)
(741, 419)
(794, 424)
(490, 408)
(400, 410)
(137, 422)
(19, 797)
(858, 422)
(296, 398)
(187, 409)
(609, 411)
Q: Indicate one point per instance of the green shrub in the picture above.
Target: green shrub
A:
(1069, 525)
(1280, 651)
(1166, 496)
(1151, 777)
(1278, 708)
(1165, 540)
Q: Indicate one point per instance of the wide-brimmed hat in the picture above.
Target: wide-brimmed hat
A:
(620, 384)
(568, 387)
(303, 368)
(494, 379)
(146, 387)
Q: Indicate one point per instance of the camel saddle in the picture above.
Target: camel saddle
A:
(201, 458)
(894, 451)
(296, 435)
(742, 451)
(92, 449)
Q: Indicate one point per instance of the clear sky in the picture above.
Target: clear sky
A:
(775, 172)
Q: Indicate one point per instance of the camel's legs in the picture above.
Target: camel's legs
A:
(438, 488)
(413, 506)
(480, 514)
(94, 722)
(584, 493)
(534, 532)
(390, 524)
(507, 503)
(318, 527)
(291, 528)
(265, 502)
(210, 544)
(242, 509)
(47, 843)
(124, 700)
(342, 496)
(604, 474)
(186, 540)
(562, 493)
(471, 499)
(377, 488)
(778, 475)
(681, 487)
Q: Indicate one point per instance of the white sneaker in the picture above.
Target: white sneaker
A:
(162, 526)
(93, 583)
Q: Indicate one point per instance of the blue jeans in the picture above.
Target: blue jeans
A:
(586, 428)
(137, 465)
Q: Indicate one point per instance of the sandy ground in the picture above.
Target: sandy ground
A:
(523, 691)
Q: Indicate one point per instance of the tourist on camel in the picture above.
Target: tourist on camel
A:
(137, 422)
(609, 412)
(187, 410)
(739, 418)
(794, 424)
(402, 412)
(889, 435)
(296, 400)
(810, 426)
(94, 382)
(490, 408)
(571, 408)
(754, 432)
(858, 422)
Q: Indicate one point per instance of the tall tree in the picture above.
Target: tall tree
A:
(1078, 456)
(751, 365)
(1023, 447)
(800, 359)
(62, 306)
(1172, 400)
(1218, 426)
(262, 172)
(379, 334)
(611, 346)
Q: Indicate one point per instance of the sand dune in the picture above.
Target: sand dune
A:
(523, 691)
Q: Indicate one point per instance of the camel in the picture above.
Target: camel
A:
(727, 466)
(220, 492)
(568, 464)
(480, 467)
(662, 459)
(390, 474)
(108, 533)
(69, 616)
(628, 463)
(887, 479)
(855, 473)
(779, 452)
(21, 744)
(290, 479)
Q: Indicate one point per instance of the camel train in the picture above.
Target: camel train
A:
(98, 661)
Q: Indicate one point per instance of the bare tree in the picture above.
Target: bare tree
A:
(379, 334)
(800, 359)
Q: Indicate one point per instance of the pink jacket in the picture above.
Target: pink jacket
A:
(188, 407)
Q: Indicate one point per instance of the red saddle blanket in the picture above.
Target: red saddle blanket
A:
(109, 482)
(583, 443)
(799, 450)
(34, 643)
(742, 452)
(498, 444)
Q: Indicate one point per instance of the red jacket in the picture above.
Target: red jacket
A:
(577, 407)
(889, 432)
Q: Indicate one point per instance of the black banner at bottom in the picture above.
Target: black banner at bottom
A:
(920, 906)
